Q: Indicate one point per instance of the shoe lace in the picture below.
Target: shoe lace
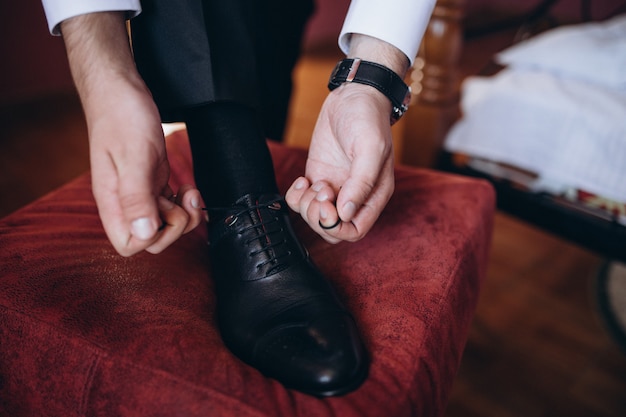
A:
(262, 233)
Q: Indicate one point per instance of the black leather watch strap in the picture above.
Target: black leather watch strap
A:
(378, 76)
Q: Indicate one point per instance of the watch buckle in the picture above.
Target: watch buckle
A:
(354, 68)
(398, 112)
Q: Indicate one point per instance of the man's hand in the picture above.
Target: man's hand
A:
(349, 172)
(129, 166)
(130, 173)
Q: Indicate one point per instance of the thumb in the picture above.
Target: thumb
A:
(137, 202)
(364, 173)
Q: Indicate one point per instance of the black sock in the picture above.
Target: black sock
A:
(230, 154)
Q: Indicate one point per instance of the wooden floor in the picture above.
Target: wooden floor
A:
(537, 346)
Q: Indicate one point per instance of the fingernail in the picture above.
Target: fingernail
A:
(300, 183)
(349, 209)
(142, 228)
(323, 213)
(195, 202)
(317, 186)
(322, 197)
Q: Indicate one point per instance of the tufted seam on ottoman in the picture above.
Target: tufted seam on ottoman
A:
(87, 387)
(101, 355)
(22, 356)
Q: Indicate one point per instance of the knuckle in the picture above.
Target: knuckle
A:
(355, 238)
(125, 251)
(134, 201)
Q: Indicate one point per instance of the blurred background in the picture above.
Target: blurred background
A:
(538, 345)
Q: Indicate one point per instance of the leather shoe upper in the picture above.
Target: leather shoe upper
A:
(275, 309)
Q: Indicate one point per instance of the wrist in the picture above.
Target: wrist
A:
(352, 71)
(375, 50)
(378, 64)
(99, 52)
(101, 60)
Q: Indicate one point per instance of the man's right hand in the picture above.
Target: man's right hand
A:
(129, 166)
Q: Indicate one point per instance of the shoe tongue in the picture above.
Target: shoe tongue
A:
(256, 206)
(248, 200)
(245, 201)
(252, 200)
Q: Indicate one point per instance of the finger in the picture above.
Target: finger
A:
(168, 193)
(295, 192)
(329, 222)
(319, 189)
(115, 225)
(343, 232)
(364, 176)
(314, 212)
(324, 191)
(305, 202)
(320, 203)
(189, 199)
(137, 201)
(175, 220)
(328, 218)
(369, 212)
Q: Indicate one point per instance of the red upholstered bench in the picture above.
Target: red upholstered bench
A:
(85, 332)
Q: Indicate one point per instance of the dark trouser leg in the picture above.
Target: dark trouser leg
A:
(284, 22)
(225, 69)
(193, 52)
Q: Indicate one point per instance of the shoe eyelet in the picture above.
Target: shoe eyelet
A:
(230, 220)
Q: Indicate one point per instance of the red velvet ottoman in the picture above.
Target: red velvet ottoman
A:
(85, 332)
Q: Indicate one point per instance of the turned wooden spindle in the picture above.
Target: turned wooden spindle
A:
(435, 84)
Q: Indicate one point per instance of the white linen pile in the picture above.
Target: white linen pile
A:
(558, 109)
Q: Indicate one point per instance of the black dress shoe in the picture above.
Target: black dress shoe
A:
(275, 310)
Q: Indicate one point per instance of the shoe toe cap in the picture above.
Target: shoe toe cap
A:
(322, 358)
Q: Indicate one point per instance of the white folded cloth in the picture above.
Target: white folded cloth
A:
(547, 118)
(594, 52)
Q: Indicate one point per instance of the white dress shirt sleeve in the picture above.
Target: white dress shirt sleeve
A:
(401, 23)
(60, 10)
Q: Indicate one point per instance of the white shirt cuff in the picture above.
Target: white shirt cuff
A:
(401, 23)
(60, 10)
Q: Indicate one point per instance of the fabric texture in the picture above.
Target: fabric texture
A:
(85, 332)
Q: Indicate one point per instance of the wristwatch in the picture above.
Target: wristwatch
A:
(355, 70)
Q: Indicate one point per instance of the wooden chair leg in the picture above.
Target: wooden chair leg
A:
(435, 85)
